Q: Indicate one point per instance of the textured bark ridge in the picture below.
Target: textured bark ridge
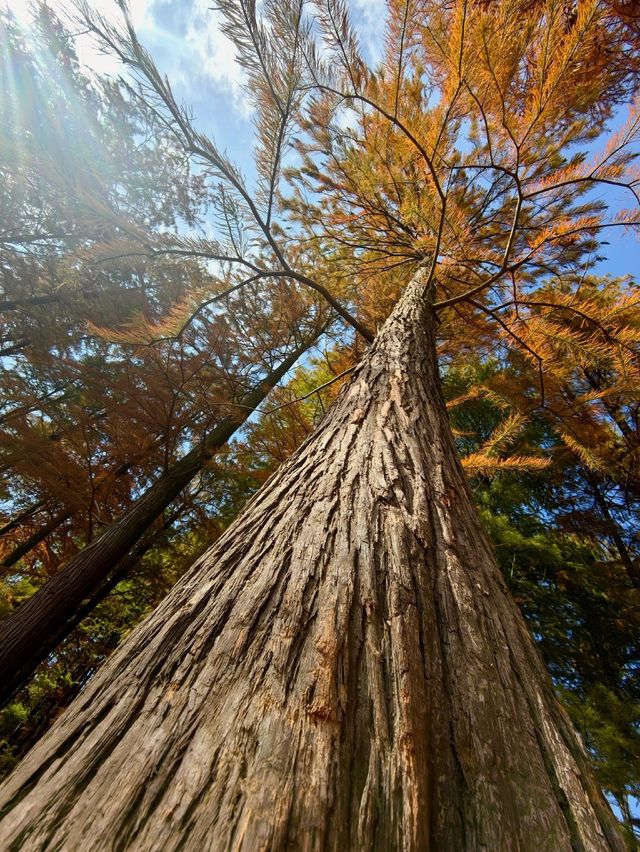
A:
(344, 669)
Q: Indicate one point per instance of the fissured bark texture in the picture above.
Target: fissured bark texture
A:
(343, 670)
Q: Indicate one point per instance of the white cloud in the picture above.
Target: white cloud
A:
(187, 41)
(369, 18)
(85, 46)
(184, 37)
(191, 49)
(212, 55)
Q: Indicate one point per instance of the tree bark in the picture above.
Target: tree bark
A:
(343, 669)
(30, 633)
(21, 517)
(34, 539)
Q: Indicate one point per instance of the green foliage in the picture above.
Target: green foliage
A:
(13, 591)
(587, 625)
(609, 728)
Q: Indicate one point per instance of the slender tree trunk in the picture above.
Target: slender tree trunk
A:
(632, 570)
(47, 707)
(30, 633)
(100, 592)
(54, 523)
(21, 517)
(343, 669)
(124, 567)
(630, 823)
(34, 539)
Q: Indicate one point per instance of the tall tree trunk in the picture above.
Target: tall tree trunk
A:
(343, 669)
(23, 516)
(34, 540)
(30, 633)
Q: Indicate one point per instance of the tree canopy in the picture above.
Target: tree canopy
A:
(153, 294)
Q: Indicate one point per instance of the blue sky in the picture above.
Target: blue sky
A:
(185, 40)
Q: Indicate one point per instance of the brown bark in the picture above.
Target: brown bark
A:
(54, 523)
(21, 517)
(343, 669)
(30, 633)
(34, 540)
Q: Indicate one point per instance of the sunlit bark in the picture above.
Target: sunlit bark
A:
(343, 669)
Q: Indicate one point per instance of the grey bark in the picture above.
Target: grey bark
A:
(343, 669)
(30, 633)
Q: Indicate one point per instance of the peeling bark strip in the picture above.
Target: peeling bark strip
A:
(343, 669)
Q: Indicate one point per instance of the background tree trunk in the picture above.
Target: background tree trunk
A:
(343, 669)
(39, 535)
(23, 516)
(30, 633)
